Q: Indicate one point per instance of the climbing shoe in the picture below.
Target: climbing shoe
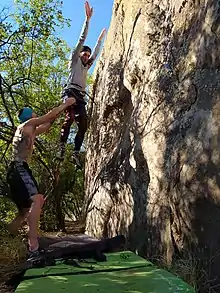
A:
(61, 153)
(76, 159)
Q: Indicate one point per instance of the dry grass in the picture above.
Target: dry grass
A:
(186, 269)
(191, 271)
(12, 252)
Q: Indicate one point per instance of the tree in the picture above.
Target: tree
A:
(33, 70)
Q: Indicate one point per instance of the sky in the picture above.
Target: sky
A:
(74, 10)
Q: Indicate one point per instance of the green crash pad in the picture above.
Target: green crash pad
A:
(122, 272)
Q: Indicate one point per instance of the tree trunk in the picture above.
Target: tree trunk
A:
(57, 194)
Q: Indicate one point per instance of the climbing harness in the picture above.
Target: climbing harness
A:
(75, 86)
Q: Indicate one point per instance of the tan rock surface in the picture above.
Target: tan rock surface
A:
(152, 166)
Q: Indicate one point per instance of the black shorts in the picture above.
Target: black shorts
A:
(22, 184)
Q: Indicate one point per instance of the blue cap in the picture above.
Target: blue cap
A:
(26, 114)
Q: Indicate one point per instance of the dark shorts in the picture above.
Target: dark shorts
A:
(22, 184)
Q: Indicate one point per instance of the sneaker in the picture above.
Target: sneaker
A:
(76, 158)
(36, 259)
(33, 254)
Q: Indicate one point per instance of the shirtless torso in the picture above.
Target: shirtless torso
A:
(22, 143)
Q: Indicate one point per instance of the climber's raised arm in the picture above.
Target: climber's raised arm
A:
(84, 32)
(97, 48)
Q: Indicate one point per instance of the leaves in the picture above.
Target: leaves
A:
(33, 71)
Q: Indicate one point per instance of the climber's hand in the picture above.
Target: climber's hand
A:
(88, 10)
(101, 36)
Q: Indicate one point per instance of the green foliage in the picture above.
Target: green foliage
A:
(34, 58)
(33, 70)
(8, 210)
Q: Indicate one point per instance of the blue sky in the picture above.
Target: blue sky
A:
(74, 10)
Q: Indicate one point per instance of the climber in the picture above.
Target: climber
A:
(23, 187)
(81, 60)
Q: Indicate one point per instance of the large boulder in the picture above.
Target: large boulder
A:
(152, 164)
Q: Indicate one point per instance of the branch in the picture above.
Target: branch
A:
(18, 81)
(13, 99)
(11, 93)
(4, 102)
(5, 152)
(32, 52)
(1, 12)
(45, 166)
(5, 139)
(3, 43)
(40, 149)
(5, 125)
(7, 132)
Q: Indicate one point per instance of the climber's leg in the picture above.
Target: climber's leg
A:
(65, 130)
(24, 193)
(82, 121)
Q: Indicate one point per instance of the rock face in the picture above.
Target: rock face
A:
(152, 165)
